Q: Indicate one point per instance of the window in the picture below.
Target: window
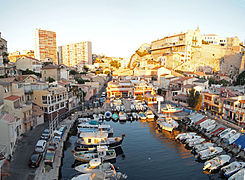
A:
(44, 100)
(89, 140)
(57, 106)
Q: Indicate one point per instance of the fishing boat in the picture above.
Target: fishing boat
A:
(123, 116)
(102, 152)
(201, 147)
(240, 175)
(232, 168)
(92, 140)
(170, 109)
(216, 162)
(108, 114)
(209, 153)
(115, 116)
(96, 165)
(149, 114)
(167, 123)
(142, 116)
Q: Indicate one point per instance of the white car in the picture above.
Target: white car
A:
(41, 146)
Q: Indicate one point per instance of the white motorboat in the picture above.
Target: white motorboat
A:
(232, 168)
(209, 153)
(118, 108)
(86, 127)
(123, 116)
(206, 123)
(108, 115)
(233, 138)
(195, 142)
(135, 115)
(92, 140)
(149, 114)
(132, 107)
(201, 147)
(222, 134)
(191, 138)
(178, 137)
(83, 120)
(240, 175)
(96, 165)
(210, 128)
(122, 108)
(167, 123)
(102, 152)
(216, 162)
(171, 109)
(229, 134)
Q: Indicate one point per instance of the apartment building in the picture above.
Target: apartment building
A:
(120, 89)
(141, 87)
(30, 63)
(52, 71)
(178, 45)
(77, 54)
(52, 101)
(45, 45)
(10, 130)
(214, 39)
(212, 102)
(3, 54)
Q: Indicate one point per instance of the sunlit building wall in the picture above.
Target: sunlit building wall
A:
(45, 45)
(76, 54)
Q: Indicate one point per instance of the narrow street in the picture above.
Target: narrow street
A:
(19, 168)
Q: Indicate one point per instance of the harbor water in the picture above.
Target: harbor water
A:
(148, 153)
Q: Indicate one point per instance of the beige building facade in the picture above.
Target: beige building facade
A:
(30, 63)
(77, 54)
(45, 45)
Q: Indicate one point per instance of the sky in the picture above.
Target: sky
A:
(117, 27)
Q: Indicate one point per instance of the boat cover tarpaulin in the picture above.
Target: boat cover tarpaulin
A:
(240, 141)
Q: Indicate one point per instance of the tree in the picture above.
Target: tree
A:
(159, 91)
(115, 64)
(199, 103)
(85, 68)
(50, 80)
(192, 98)
(27, 71)
(73, 72)
(107, 72)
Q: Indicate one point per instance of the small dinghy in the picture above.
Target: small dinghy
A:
(195, 142)
(240, 175)
(135, 115)
(150, 115)
(118, 108)
(108, 115)
(115, 116)
(232, 168)
(123, 116)
(209, 153)
(210, 128)
(132, 107)
(206, 123)
(142, 116)
(216, 162)
(201, 147)
(179, 136)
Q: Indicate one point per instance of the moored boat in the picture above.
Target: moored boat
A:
(240, 175)
(123, 116)
(209, 153)
(149, 114)
(232, 168)
(142, 116)
(108, 115)
(170, 109)
(216, 162)
(167, 123)
(115, 116)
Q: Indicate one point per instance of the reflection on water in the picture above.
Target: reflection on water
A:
(146, 153)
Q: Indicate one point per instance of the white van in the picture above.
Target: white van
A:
(40, 146)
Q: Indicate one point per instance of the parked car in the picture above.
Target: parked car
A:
(45, 135)
(35, 160)
(41, 146)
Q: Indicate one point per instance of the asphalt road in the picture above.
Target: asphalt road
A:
(19, 168)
